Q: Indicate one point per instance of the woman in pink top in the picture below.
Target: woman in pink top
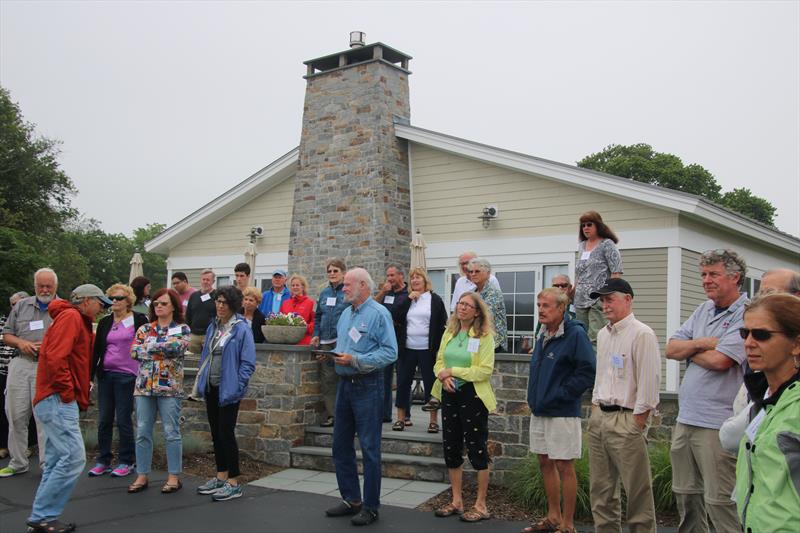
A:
(116, 374)
(300, 304)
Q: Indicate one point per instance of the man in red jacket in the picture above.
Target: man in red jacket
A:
(62, 388)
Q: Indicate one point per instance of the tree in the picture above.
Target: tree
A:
(155, 265)
(640, 162)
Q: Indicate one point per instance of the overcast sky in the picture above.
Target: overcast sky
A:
(162, 106)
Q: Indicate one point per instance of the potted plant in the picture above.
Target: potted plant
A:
(281, 328)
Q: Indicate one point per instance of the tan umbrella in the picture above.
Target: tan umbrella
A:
(136, 267)
(418, 251)
(250, 259)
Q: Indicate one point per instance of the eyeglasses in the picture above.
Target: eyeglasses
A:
(758, 334)
(159, 303)
(117, 298)
(587, 224)
(561, 285)
(333, 270)
(466, 304)
(221, 302)
(473, 271)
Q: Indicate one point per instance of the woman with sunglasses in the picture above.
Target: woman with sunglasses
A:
(480, 271)
(329, 308)
(463, 368)
(159, 347)
(598, 260)
(768, 469)
(116, 374)
(227, 362)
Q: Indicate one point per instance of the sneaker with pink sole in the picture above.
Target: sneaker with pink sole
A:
(122, 470)
(99, 469)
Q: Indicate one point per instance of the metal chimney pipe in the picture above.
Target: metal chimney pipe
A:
(357, 39)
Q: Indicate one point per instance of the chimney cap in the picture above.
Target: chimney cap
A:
(360, 54)
(357, 39)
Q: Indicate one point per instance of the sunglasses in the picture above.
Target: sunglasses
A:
(159, 303)
(561, 285)
(117, 298)
(473, 271)
(587, 224)
(333, 270)
(758, 334)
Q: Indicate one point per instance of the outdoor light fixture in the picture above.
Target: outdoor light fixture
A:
(489, 212)
(255, 232)
(357, 39)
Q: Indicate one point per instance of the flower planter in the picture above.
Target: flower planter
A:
(283, 334)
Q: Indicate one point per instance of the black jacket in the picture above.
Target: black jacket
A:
(99, 350)
(258, 321)
(437, 324)
(199, 314)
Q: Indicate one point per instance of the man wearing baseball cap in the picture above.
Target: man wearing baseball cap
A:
(62, 389)
(625, 391)
(274, 297)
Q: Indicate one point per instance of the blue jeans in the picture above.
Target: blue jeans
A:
(359, 411)
(170, 410)
(64, 457)
(115, 396)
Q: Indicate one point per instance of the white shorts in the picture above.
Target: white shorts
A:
(557, 437)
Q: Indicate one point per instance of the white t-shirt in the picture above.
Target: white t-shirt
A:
(418, 322)
(465, 285)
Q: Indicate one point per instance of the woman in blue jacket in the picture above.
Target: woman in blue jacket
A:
(227, 362)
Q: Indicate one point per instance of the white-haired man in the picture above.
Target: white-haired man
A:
(780, 280)
(24, 330)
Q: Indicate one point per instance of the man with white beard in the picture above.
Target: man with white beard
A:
(24, 330)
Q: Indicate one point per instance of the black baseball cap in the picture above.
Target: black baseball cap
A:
(613, 285)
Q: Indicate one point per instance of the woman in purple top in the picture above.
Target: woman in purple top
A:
(116, 374)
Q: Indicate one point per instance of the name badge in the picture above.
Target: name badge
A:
(128, 322)
(354, 334)
(205, 297)
(585, 256)
(331, 301)
(752, 429)
(617, 361)
(388, 300)
(36, 324)
(473, 345)
(177, 330)
(185, 303)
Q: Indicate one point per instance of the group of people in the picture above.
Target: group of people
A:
(587, 339)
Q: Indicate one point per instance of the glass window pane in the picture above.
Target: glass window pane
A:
(223, 281)
(509, 300)
(437, 279)
(553, 270)
(506, 280)
(524, 323)
(526, 282)
(525, 304)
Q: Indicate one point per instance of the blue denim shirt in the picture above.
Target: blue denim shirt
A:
(327, 316)
(376, 346)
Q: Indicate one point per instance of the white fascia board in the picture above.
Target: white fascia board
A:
(223, 265)
(722, 217)
(234, 198)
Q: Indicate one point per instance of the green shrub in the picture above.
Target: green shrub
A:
(661, 467)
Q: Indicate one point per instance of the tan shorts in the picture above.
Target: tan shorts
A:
(557, 437)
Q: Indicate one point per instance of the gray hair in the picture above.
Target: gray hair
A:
(733, 262)
(481, 263)
(208, 271)
(793, 279)
(17, 296)
(45, 270)
(396, 267)
(565, 276)
(361, 274)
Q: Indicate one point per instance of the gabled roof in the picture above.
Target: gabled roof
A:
(690, 205)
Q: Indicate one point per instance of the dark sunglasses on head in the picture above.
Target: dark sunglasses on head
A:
(758, 334)
(160, 303)
(117, 298)
(587, 224)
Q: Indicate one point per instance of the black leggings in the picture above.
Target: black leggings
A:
(407, 365)
(465, 419)
(223, 432)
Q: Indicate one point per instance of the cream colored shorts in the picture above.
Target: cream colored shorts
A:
(557, 437)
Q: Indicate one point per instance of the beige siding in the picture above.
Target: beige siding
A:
(272, 209)
(692, 294)
(450, 192)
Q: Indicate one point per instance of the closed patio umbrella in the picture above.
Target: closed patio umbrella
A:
(418, 251)
(250, 259)
(136, 267)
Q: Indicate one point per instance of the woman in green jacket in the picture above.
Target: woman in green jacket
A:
(464, 364)
(768, 467)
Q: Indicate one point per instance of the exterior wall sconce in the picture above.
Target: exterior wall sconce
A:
(489, 212)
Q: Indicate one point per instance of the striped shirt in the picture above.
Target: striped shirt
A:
(628, 366)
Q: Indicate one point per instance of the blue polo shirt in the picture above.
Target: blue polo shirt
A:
(367, 333)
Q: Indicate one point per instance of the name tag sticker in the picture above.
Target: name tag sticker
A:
(617, 361)
(585, 256)
(388, 300)
(36, 324)
(185, 303)
(205, 297)
(177, 330)
(752, 429)
(128, 322)
(354, 334)
(473, 345)
(331, 301)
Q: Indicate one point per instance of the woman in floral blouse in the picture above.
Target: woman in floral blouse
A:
(159, 347)
(479, 271)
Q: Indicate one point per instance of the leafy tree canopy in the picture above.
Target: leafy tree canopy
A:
(641, 163)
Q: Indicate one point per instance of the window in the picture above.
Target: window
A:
(437, 280)
(223, 281)
(519, 292)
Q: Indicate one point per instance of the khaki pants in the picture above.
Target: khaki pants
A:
(594, 319)
(703, 477)
(20, 391)
(618, 449)
(196, 344)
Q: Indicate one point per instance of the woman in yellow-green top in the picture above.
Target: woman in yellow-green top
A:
(464, 364)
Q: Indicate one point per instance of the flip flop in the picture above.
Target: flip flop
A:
(433, 427)
(398, 426)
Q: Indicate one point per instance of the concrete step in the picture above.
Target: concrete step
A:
(393, 465)
(414, 443)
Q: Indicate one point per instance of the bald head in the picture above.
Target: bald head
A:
(780, 280)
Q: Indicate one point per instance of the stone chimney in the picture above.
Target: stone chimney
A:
(352, 195)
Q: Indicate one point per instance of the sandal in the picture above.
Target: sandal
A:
(565, 529)
(408, 422)
(137, 487)
(433, 427)
(474, 515)
(432, 405)
(54, 526)
(545, 524)
(169, 489)
(398, 426)
(448, 510)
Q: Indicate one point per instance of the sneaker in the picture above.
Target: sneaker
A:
(343, 509)
(122, 470)
(99, 469)
(211, 486)
(8, 471)
(227, 492)
(365, 517)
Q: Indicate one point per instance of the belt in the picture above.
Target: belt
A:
(357, 378)
(612, 408)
